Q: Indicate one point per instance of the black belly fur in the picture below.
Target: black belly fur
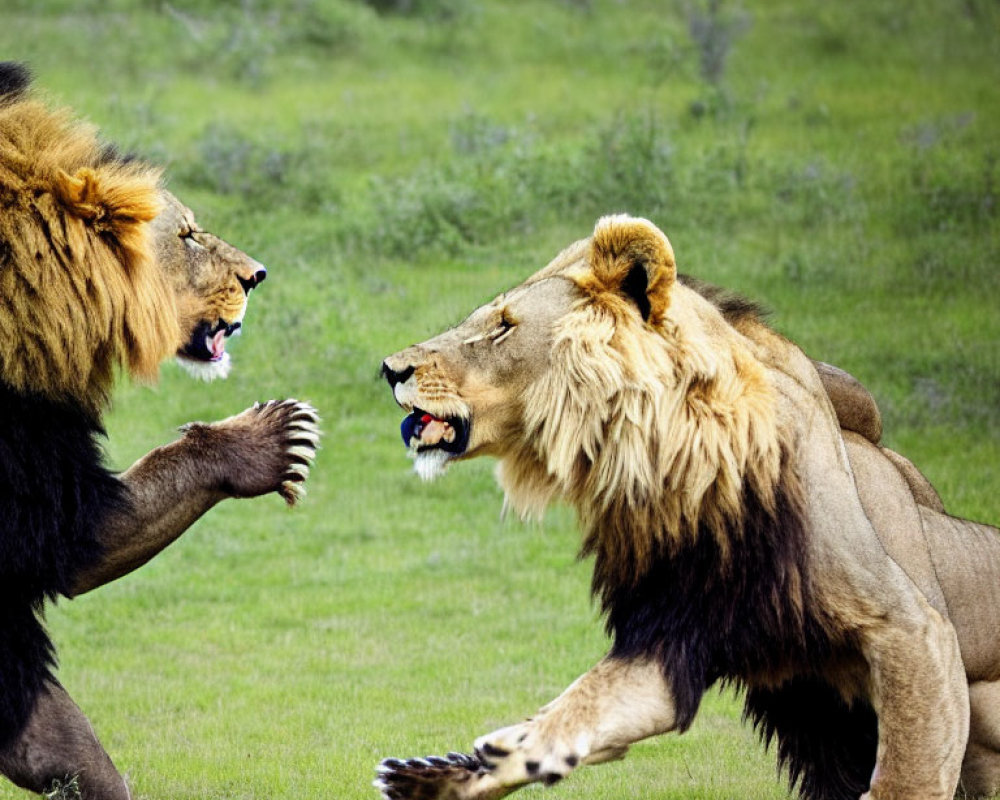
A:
(708, 618)
(54, 496)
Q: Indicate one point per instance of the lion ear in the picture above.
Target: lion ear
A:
(111, 194)
(632, 257)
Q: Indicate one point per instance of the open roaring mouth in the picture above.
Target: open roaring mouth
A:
(423, 432)
(204, 356)
(208, 341)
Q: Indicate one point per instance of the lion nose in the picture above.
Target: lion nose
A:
(258, 277)
(395, 377)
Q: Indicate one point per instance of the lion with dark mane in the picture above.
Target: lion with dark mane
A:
(101, 269)
(746, 528)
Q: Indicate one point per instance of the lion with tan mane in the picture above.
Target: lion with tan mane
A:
(745, 525)
(101, 269)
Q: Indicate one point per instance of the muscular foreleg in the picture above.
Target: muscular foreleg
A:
(267, 448)
(616, 703)
(922, 700)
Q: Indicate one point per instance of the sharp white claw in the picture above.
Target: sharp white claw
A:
(311, 439)
(299, 451)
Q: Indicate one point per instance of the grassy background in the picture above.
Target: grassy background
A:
(396, 163)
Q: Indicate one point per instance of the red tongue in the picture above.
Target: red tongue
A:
(426, 418)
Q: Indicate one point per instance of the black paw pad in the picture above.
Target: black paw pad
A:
(492, 750)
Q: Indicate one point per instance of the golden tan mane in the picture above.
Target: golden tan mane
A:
(79, 290)
(680, 396)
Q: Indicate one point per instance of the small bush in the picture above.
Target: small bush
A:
(713, 30)
(429, 9)
(242, 41)
(260, 172)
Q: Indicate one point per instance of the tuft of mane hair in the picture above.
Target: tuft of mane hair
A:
(15, 79)
(827, 746)
(733, 306)
(80, 293)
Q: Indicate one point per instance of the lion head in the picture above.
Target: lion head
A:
(605, 381)
(100, 267)
(211, 282)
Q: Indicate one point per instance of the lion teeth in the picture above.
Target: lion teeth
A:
(436, 431)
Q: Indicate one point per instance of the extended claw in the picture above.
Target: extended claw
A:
(456, 776)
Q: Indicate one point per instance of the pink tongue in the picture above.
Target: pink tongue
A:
(219, 344)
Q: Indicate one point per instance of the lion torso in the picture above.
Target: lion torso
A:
(954, 562)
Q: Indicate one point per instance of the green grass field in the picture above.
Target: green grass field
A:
(838, 161)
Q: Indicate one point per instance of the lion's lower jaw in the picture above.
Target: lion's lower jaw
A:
(206, 370)
(431, 464)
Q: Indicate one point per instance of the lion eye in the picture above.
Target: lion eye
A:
(503, 329)
(190, 240)
(497, 334)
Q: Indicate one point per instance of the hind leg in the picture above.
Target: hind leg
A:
(981, 767)
(59, 745)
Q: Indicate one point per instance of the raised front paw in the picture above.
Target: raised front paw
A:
(267, 448)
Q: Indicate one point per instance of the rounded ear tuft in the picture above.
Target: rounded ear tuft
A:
(632, 257)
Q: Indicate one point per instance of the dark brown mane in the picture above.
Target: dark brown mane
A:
(709, 616)
(733, 306)
(56, 495)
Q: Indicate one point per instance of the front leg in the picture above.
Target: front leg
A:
(921, 695)
(267, 448)
(618, 702)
